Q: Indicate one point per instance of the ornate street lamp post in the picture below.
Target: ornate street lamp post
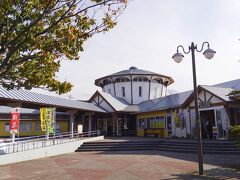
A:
(208, 53)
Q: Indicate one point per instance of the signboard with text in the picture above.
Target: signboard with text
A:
(14, 120)
(47, 119)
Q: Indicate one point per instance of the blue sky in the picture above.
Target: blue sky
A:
(147, 35)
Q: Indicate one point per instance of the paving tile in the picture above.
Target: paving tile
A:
(134, 165)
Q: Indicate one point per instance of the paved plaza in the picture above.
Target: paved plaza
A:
(124, 165)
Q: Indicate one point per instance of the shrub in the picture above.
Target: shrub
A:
(234, 132)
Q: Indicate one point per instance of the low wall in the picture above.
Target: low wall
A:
(44, 152)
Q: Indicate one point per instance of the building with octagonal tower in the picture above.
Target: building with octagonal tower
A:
(135, 85)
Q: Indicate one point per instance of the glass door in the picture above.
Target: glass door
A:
(220, 131)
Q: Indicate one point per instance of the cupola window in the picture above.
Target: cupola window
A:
(122, 80)
(157, 81)
(107, 82)
(140, 79)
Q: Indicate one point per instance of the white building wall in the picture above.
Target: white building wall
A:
(156, 90)
(182, 132)
(164, 91)
(193, 103)
(127, 85)
(208, 95)
(193, 121)
(45, 151)
(107, 87)
(145, 88)
(215, 100)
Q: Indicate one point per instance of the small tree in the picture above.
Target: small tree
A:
(235, 94)
(36, 34)
(172, 91)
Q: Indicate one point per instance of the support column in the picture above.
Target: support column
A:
(125, 125)
(114, 124)
(71, 123)
(83, 123)
(89, 122)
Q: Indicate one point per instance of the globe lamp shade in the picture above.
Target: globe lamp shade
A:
(178, 57)
(209, 53)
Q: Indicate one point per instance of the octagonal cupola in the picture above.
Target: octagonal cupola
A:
(135, 85)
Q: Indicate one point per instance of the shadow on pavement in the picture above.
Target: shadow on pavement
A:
(228, 165)
(212, 174)
(230, 161)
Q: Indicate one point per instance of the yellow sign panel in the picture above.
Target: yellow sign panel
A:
(47, 119)
(43, 118)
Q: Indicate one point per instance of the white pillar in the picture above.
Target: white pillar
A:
(71, 123)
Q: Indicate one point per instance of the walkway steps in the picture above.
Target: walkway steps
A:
(170, 146)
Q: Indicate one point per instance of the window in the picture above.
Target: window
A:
(122, 80)
(109, 91)
(145, 79)
(148, 122)
(7, 127)
(123, 91)
(152, 124)
(160, 122)
(140, 79)
(157, 81)
(141, 123)
(107, 82)
(58, 128)
(38, 127)
(140, 91)
(26, 127)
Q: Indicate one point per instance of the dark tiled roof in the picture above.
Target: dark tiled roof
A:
(234, 84)
(133, 71)
(166, 102)
(42, 99)
(7, 110)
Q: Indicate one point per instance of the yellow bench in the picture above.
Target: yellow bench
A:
(158, 132)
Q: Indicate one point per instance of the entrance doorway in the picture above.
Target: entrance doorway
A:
(205, 116)
(103, 126)
(109, 127)
(214, 116)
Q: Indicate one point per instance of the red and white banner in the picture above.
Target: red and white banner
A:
(14, 120)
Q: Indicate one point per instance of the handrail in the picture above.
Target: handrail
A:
(34, 143)
(35, 137)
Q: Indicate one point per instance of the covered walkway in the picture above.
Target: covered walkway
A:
(28, 99)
